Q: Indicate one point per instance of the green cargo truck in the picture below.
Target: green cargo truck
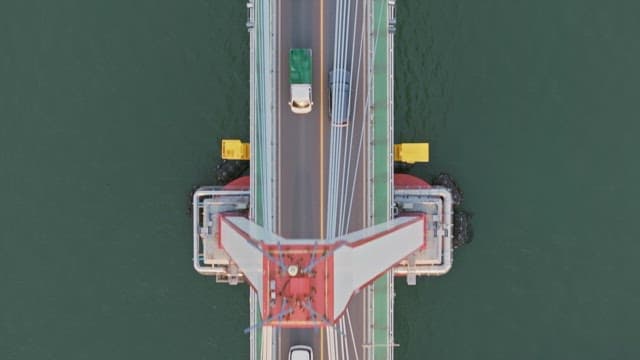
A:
(300, 79)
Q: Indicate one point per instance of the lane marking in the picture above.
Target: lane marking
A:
(321, 119)
(322, 159)
(279, 46)
(278, 335)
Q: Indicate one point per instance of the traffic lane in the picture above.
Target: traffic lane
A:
(359, 118)
(295, 336)
(299, 206)
(357, 326)
(354, 333)
(299, 139)
(358, 217)
(358, 210)
(300, 179)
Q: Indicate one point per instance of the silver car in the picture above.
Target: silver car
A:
(300, 352)
(339, 92)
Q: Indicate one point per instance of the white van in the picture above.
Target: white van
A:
(300, 352)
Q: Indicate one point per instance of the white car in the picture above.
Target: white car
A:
(300, 352)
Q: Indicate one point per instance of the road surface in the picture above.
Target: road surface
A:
(303, 153)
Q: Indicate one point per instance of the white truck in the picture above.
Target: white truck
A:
(300, 75)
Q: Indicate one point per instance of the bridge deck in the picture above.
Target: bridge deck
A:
(297, 147)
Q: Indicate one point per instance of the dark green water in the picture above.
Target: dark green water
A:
(111, 111)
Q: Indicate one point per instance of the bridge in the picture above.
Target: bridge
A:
(323, 226)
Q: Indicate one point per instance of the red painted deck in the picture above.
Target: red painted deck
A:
(303, 300)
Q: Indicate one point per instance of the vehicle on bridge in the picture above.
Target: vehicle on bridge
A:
(300, 79)
(300, 352)
(339, 95)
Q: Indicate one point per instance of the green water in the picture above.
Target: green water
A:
(111, 111)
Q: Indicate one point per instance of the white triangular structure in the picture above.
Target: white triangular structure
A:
(353, 260)
(361, 262)
(244, 251)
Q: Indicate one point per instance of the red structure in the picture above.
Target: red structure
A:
(409, 182)
(297, 282)
(241, 183)
(297, 296)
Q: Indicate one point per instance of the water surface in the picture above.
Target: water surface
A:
(112, 111)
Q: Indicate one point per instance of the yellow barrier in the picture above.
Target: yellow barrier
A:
(233, 149)
(411, 152)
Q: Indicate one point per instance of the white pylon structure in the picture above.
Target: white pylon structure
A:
(309, 282)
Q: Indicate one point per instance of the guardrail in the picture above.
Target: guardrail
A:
(447, 234)
(199, 196)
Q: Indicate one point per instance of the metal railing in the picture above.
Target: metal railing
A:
(198, 213)
(447, 235)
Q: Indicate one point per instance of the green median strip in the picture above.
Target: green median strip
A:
(381, 169)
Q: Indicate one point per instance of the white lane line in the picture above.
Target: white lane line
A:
(353, 339)
(279, 120)
(345, 344)
(364, 314)
(331, 346)
(279, 125)
(321, 123)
